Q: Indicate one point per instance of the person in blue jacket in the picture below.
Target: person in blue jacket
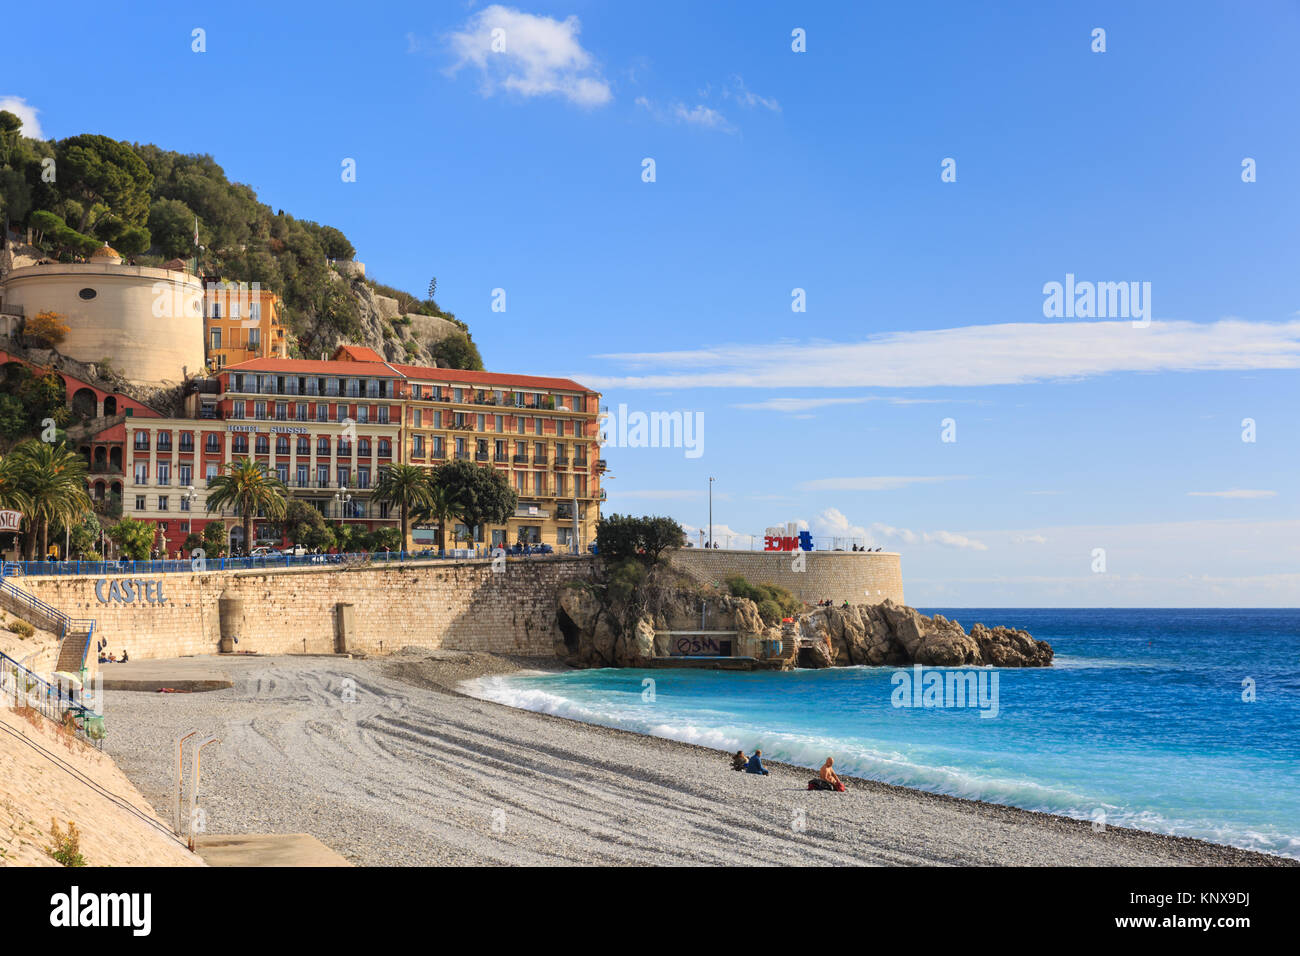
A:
(755, 764)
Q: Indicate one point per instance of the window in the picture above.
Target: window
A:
(345, 448)
(300, 411)
(187, 441)
(210, 471)
(211, 445)
(437, 418)
(164, 473)
(304, 445)
(162, 502)
(363, 477)
(302, 476)
(87, 294)
(322, 447)
(185, 503)
(241, 445)
(238, 409)
(282, 445)
(383, 414)
(142, 473)
(216, 338)
(439, 447)
(482, 423)
(385, 448)
(255, 312)
(537, 426)
(282, 472)
(417, 446)
(539, 482)
(139, 502)
(259, 411)
(164, 441)
(363, 414)
(457, 394)
(322, 412)
(322, 476)
(363, 448)
(281, 411)
(496, 423)
(185, 474)
(263, 445)
(344, 475)
(254, 338)
(141, 441)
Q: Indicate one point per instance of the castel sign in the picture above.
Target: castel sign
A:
(10, 520)
(789, 538)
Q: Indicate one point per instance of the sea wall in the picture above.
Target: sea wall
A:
(456, 606)
(858, 577)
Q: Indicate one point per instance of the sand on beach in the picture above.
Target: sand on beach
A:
(48, 775)
(383, 761)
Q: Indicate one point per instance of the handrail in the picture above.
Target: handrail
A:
(51, 701)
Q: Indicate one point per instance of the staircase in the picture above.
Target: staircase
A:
(74, 645)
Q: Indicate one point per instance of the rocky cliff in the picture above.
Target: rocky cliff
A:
(599, 632)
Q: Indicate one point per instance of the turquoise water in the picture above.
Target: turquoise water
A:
(1140, 722)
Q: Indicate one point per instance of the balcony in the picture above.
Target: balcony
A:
(600, 464)
(501, 459)
(539, 459)
(481, 456)
(520, 459)
(561, 462)
(462, 455)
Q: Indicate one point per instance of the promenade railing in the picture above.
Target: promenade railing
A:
(260, 562)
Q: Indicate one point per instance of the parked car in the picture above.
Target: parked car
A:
(265, 553)
(296, 550)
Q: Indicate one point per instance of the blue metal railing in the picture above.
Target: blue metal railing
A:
(50, 700)
(186, 566)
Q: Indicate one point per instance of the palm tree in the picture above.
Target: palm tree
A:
(442, 506)
(248, 487)
(406, 486)
(52, 480)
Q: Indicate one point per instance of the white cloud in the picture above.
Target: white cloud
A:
(678, 112)
(874, 482)
(792, 405)
(541, 56)
(1029, 539)
(1006, 354)
(25, 112)
(947, 539)
(737, 91)
(1234, 493)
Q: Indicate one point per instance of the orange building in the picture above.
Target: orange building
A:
(241, 323)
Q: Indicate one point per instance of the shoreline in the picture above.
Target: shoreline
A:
(412, 771)
(865, 783)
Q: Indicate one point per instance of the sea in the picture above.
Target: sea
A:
(1177, 721)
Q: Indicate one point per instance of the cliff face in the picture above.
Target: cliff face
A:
(398, 337)
(600, 633)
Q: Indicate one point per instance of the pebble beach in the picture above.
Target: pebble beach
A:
(387, 763)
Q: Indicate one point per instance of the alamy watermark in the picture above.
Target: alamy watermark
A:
(637, 429)
(1074, 299)
(976, 687)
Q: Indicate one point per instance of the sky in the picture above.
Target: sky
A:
(841, 265)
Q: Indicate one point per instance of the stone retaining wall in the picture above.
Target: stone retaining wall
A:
(859, 577)
(457, 606)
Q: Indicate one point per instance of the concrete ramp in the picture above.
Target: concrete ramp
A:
(186, 674)
(266, 849)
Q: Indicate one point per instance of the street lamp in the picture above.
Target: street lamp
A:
(341, 499)
(710, 511)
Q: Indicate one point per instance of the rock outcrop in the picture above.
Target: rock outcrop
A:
(888, 634)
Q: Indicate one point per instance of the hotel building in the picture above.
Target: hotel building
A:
(328, 429)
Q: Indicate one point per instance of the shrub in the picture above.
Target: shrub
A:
(21, 628)
(774, 602)
(65, 847)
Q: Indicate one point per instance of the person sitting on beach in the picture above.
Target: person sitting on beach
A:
(124, 657)
(738, 760)
(755, 764)
(827, 779)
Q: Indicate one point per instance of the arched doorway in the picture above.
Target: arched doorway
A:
(110, 405)
(83, 403)
(237, 538)
(115, 459)
(100, 462)
(100, 490)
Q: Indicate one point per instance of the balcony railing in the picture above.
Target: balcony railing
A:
(520, 459)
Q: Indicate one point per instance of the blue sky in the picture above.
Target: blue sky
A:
(521, 169)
